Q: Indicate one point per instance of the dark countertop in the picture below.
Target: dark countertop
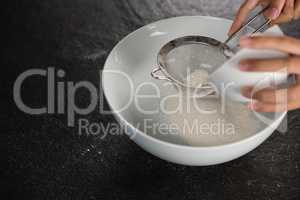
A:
(48, 160)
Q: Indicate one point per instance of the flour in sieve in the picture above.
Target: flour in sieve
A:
(197, 78)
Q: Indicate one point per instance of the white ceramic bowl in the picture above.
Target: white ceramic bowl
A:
(134, 58)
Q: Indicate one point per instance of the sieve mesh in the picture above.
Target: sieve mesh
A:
(184, 56)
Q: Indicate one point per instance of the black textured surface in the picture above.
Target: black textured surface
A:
(47, 160)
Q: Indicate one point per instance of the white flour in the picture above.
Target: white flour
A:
(196, 127)
(191, 122)
(197, 78)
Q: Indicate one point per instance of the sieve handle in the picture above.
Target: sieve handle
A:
(160, 76)
(249, 22)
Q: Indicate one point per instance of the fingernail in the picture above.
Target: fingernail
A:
(245, 41)
(244, 67)
(246, 91)
(253, 105)
(230, 31)
(273, 13)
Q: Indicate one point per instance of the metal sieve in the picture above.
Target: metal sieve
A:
(181, 57)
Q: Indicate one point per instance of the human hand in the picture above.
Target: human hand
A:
(273, 99)
(279, 11)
